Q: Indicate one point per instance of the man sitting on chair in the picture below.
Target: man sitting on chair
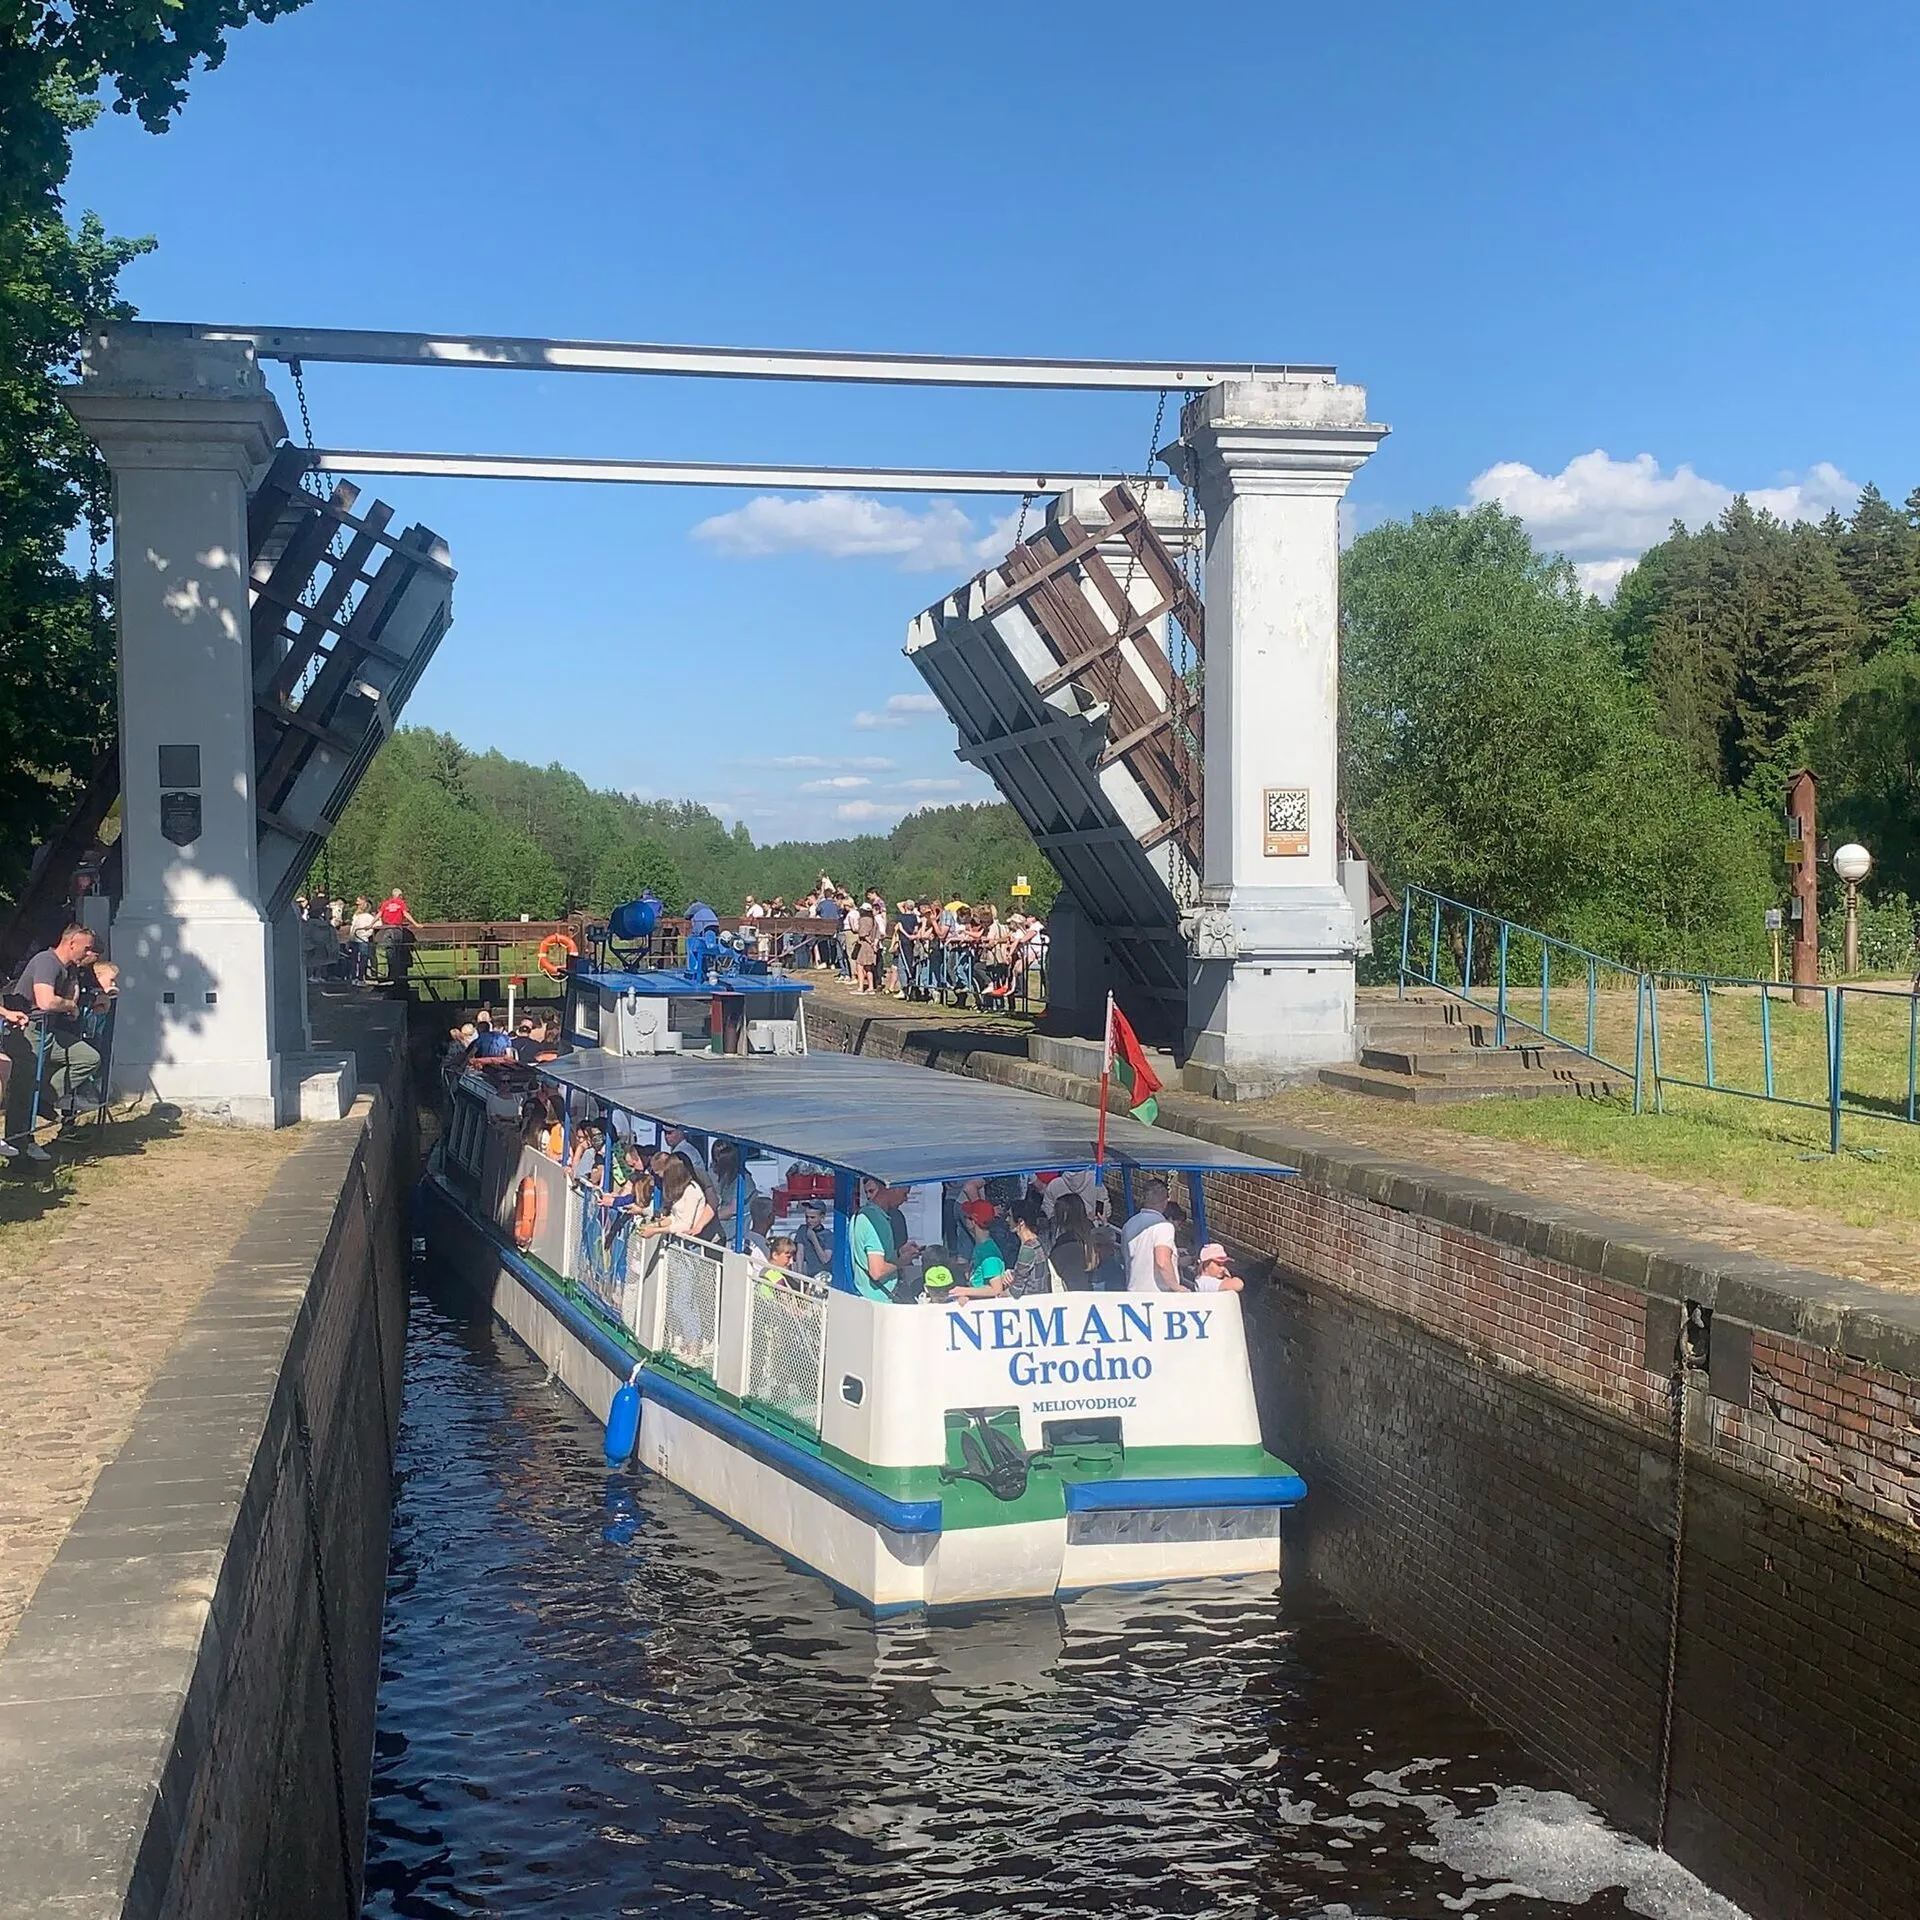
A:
(51, 986)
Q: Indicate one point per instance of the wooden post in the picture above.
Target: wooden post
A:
(1803, 856)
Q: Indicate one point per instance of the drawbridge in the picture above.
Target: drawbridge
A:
(343, 617)
(270, 644)
(1072, 672)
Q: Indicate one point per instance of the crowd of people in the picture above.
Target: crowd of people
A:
(916, 950)
(1007, 1235)
(355, 943)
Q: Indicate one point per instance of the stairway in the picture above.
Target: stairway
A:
(1432, 1050)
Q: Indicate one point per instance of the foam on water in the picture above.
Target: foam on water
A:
(1550, 1846)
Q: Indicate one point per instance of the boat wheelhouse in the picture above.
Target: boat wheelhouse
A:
(929, 1450)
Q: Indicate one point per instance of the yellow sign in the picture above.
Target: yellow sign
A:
(1796, 851)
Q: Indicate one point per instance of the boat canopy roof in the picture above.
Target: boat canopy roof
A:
(666, 983)
(901, 1124)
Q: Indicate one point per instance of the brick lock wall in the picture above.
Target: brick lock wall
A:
(1492, 1486)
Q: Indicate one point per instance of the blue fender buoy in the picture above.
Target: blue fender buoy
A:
(623, 1425)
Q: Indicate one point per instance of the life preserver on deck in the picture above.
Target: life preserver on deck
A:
(526, 1212)
(555, 951)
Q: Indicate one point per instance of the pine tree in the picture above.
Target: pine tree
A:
(1800, 640)
(1879, 557)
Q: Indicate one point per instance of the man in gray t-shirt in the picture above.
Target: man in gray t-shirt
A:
(51, 987)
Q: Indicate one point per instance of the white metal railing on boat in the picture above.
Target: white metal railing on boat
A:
(690, 1302)
(787, 1348)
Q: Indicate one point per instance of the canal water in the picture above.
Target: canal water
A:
(597, 1700)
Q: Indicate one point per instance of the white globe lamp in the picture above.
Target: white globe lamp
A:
(1853, 863)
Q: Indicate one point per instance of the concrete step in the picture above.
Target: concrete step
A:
(1453, 1063)
(1404, 1087)
(1554, 1076)
(1401, 1037)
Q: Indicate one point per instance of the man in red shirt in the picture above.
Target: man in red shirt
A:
(396, 924)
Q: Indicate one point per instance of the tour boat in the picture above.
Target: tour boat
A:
(913, 1454)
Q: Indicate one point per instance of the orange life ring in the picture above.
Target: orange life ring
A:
(554, 953)
(526, 1212)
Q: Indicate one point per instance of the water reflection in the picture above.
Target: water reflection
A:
(599, 1700)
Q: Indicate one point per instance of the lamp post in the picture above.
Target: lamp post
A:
(1853, 863)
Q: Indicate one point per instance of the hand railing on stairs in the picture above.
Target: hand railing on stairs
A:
(1711, 1033)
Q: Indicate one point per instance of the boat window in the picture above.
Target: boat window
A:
(586, 1016)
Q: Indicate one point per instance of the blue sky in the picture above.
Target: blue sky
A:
(1604, 263)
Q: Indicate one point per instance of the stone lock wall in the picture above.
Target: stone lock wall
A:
(188, 1700)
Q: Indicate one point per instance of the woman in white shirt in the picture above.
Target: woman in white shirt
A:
(686, 1209)
(360, 929)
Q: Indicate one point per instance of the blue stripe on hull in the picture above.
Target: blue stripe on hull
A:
(1264, 1490)
(795, 1463)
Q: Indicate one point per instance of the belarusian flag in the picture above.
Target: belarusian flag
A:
(1126, 1062)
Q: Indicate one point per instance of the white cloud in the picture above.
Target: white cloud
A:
(865, 810)
(1603, 513)
(1602, 577)
(938, 537)
(929, 786)
(817, 763)
(838, 784)
(901, 710)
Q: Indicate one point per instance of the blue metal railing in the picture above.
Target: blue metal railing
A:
(1488, 963)
(1498, 966)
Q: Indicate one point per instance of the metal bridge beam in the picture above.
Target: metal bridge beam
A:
(703, 473)
(366, 347)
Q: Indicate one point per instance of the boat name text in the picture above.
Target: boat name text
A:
(1022, 1332)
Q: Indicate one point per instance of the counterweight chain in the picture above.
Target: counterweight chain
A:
(1677, 1418)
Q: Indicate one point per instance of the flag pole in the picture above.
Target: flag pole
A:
(1106, 1075)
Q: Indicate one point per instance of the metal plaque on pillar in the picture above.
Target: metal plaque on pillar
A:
(180, 818)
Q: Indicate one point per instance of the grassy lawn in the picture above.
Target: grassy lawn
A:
(1749, 1149)
(1743, 1027)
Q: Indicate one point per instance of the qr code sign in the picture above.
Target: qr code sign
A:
(1287, 821)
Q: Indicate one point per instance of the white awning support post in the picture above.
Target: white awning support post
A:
(1273, 940)
(184, 425)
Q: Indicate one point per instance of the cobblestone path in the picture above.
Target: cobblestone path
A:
(101, 1260)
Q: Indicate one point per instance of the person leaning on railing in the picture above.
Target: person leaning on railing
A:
(687, 1210)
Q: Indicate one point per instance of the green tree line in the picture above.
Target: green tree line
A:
(1616, 775)
(480, 836)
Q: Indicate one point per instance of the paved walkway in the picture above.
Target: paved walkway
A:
(101, 1260)
(1884, 1256)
